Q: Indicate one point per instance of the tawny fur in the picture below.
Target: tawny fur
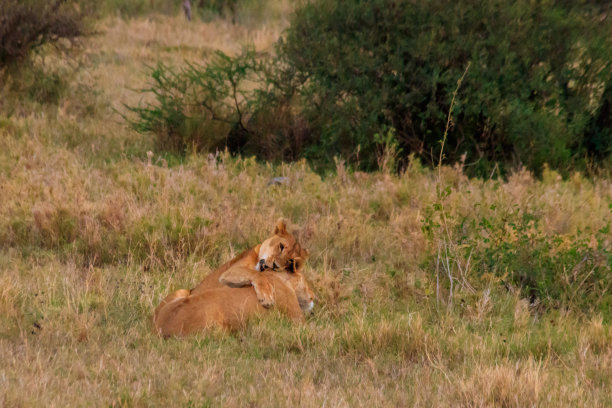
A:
(279, 250)
(224, 298)
(182, 313)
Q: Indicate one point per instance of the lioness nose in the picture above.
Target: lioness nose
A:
(262, 264)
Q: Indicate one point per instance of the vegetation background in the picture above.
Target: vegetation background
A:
(434, 288)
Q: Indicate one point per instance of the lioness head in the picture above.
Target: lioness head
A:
(280, 250)
(296, 280)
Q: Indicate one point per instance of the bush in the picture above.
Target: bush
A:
(198, 107)
(550, 269)
(27, 24)
(532, 94)
(241, 103)
(372, 82)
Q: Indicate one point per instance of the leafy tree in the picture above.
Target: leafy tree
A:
(536, 79)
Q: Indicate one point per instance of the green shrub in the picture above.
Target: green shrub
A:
(198, 107)
(372, 82)
(27, 24)
(555, 270)
(510, 246)
(242, 103)
(537, 71)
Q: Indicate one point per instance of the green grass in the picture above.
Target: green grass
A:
(94, 233)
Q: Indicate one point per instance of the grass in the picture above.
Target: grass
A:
(94, 232)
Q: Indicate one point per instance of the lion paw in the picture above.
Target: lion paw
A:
(265, 293)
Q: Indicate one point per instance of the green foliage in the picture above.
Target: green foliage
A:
(537, 90)
(599, 129)
(199, 107)
(242, 103)
(556, 271)
(535, 82)
(551, 270)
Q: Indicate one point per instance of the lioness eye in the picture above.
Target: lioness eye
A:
(282, 247)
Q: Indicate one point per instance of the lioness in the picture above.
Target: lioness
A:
(276, 253)
(228, 308)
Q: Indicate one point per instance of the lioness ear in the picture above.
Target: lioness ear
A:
(257, 248)
(299, 251)
(297, 264)
(281, 227)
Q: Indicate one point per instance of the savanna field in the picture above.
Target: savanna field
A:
(433, 288)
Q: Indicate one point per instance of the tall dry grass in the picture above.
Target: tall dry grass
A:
(94, 232)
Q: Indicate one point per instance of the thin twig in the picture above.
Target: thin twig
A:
(450, 276)
(449, 118)
(448, 240)
(438, 278)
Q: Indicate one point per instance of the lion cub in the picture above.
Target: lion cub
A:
(228, 308)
